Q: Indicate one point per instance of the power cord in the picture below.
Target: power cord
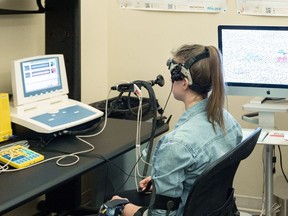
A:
(281, 163)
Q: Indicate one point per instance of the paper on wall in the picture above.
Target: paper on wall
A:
(211, 6)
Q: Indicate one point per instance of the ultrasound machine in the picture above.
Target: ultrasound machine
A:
(40, 96)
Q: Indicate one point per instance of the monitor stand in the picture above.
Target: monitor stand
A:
(266, 111)
(258, 100)
(261, 100)
(266, 120)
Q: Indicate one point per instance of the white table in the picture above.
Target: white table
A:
(274, 137)
(266, 119)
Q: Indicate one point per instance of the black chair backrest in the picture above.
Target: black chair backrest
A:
(212, 188)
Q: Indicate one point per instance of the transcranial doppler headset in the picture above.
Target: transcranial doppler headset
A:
(180, 71)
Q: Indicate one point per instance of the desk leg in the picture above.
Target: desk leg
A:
(268, 179)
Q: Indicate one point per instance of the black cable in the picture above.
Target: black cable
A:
(168, 97)
(126, 180)
(38, 144)
(110, 161)
(107, 162)
(148, 87)
(274, 161)
(146, 111)
(281, 165)
(92, 127)
(115, 103)
(153, 101)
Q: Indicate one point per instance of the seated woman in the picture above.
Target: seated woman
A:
(204, 132)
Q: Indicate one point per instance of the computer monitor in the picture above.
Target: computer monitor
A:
(255, 60)
(38, 78)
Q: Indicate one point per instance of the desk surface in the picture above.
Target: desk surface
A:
(273, 137)
(276, 137)
(22, 186)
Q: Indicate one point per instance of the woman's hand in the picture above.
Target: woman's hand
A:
(129, 209)
(118, 197)
(143, 183)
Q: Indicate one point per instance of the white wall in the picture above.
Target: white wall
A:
(20, 36)
(94, 53)
(119, 44)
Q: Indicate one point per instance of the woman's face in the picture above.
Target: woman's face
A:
(178, 90)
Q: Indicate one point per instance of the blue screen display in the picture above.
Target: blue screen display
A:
(41, 76)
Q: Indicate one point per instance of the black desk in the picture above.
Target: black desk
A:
(118, 137)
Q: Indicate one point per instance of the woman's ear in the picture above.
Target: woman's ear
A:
(185, 83)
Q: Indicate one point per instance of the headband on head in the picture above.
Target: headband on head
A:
(180, 71)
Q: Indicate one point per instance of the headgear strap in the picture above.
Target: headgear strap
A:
(180, 71)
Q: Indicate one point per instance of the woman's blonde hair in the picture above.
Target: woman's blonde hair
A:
(207, 72)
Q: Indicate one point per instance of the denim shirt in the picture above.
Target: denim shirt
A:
(182, 155)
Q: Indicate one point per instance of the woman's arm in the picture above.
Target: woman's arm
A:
(129, 209)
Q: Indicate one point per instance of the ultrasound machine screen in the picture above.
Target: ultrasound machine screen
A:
(38, 78)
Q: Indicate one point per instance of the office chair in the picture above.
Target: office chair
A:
(212, 193)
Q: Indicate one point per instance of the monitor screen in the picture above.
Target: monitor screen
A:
(38, 78)
(255, 60)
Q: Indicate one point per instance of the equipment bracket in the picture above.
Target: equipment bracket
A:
(41, 9)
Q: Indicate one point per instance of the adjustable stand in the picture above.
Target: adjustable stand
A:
(266, 114)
